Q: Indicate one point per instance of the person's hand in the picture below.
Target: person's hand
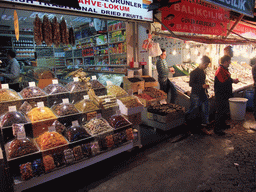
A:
(235, 81)
(206, 86)
(172, 70)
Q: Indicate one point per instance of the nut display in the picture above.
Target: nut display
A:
(37, 167)
(116, 91)
(119, 138)
(108, 101)
(155, 93)
(69, 156)
(13, 117)
(117, 121)
(78, 154)
(86, 105)
(97, 126)
(48, 163)
(86, 149)
(130, 101)
(49, 140)
(149, 79)
(75, 133)
(55, 89)
(59, 127)
(26, 171)
(63, 109)
(134, 79)
(145, 96)
(164, 109)
(8, 95)
(19, 147)
(30, 92)
(59, 159)
(129, 134)
(76, 86)
(96, 84)
(37, 114)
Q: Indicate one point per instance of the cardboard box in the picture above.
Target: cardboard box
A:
(135, 86)
(150, 84)
(129, 111)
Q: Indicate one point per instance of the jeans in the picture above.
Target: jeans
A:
(195, 102)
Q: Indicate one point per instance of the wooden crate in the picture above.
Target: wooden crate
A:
(149, 84)
(146, 102)
(135, 86)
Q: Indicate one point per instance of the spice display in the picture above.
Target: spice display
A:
(56, 38)
(86, 149)
(96, 84)
(19, 147)
(155, 93)
(97, 126)
(37, 114)
(47, 31)
(78, 154)
(55, 89)
(59, 159)
(69, 156)
(48, 163)
(37, 167)
(149, 79)
(116, 91)
(26, 171)
(108, 101)
(8, 95)
(59, 127)
(10, 118)
(86, 105)
(30, 92)
(119, 138)
(164, 109)
(49, 140)
(63, 109)
(38, 30)
(71, 36)
(130, 101)
(129, 134)
(76, 86)
(134, 79)
(64, 32)
(145, 96)
(75, 133)
(118, 121)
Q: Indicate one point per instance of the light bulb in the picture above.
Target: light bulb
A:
(174, 52)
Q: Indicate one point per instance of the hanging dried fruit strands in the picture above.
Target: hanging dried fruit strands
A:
(47, 31)
(71, 36)
(64, 32)
(38, 32)
(56, 37)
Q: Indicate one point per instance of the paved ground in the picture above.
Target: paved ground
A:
(173, 161)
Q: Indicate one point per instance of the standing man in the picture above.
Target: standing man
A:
(228, 51)
(163, 72)
(223, 91)
(253, 64)
(12, 71)
(199, 96)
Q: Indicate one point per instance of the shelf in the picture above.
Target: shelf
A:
(106, 65)
(117, 30)
(101, 45)
(101, 55)
(105, 72)
(113, 54)
(117, 42)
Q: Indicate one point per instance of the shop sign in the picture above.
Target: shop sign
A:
(245, 7)
(129, 9)
(195, 17)
(242, 29)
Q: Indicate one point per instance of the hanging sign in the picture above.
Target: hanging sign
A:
(245, 7)
(196, 17)
(16, 25)
(129, 9)
(241, 28)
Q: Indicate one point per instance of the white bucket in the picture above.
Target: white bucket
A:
(237, 106)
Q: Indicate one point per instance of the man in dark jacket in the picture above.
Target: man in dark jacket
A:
(223, 91)
(199, 96)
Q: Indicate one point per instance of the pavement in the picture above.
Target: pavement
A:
(180, 160)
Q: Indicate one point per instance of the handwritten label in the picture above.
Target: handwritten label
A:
(12, 108)
(75, 79)
(51, 128)
(66, 100)
(5, 86)
(75, 123)
(94, 77)
(55, 81)
(31, 84)
(86, 97)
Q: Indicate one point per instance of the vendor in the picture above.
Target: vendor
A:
(12, 71)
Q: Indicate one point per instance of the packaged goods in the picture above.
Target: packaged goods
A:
(106, 141)
(47, 31)
(130, 101)
(37, 114)
(59, 127)
(95, 148)
(30, 92)
(97, 126)
(10, 118)
(59, 159)
(64, 32)
(86, 105)
(48, 163)
(118, 121)
(78, 154)
(129, 134)
(116, 91)
(8, 95)
(56, 39)
(38, 31)
(50, 140)
(86, 149)
(75, 86)
(26, 171)
(55, 89)
(108, 101)
(20, 147)
(37, 167)
(75, 133)
(119, 138)
(69, 156)
(63, 109)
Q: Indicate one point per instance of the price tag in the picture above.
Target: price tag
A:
(40, 104)
(21, 135)
(55, 81)
(51, 128)
(139, 91)
(12, 108)
(5, 86)
(65, 100)
(98, 116)
(107, 100)
(109, 83)
(163, 101)
(130, 74)
(94, 77)
(75, 79)
(75, 123)
(86, 97)
(32, 84)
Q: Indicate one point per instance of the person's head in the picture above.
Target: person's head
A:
(205, 62)
(225, 61)
(163, 55)
(11, 54)
(228, 51)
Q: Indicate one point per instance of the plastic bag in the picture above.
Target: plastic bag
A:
(75, 133)
(10, 118)
(37, 114)
(9, 95)
(155, 50)
(63, 109)
(55, 89)
(31, 92)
